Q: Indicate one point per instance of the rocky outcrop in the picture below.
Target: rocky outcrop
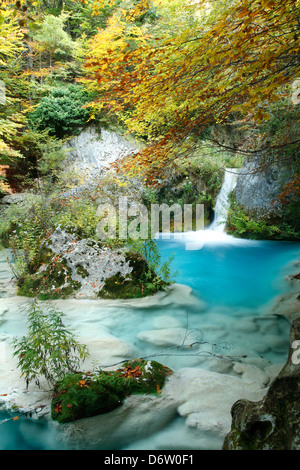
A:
(93, 150)
(103, 391)
(258, 186)
(66, 265)
(272, 423)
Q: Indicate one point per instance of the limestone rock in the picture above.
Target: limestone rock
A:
(93, 150)
(168, 337)
(207, 401)
(121, 426)
(256, 190)
(272, 423)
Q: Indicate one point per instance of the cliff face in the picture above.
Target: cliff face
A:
(258, 186)
(93, 150)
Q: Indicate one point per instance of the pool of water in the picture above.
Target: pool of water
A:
(234, 279)
(233, 272)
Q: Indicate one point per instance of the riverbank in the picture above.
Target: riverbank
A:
(193, 410)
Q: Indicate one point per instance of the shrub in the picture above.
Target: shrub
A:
(242, 224)
(49, 349)
(62, 112)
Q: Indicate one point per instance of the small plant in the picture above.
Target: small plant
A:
(49, 349)
(157, 271)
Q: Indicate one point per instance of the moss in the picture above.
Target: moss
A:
(85, 395)
(138, 264)
(81, 271)
(245, 224)
(141, 282)
(48, 278)
(117, 287)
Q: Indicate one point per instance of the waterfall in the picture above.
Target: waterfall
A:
(222, 201)
(215, 232)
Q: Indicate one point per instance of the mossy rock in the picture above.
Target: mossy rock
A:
(117, 287)
(80, 395)
(273, 422)
(138, 264)
(48, 277)
(141, 282)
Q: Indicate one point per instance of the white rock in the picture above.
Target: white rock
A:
(107, 351)
(246, 325)
(209, 396)
(168, 337)
(273, 370)
(251, 374)
(270, 327)
(166, 321)
(121, 426)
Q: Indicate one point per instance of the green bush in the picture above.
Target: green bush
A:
(49, 349)
(62, 112)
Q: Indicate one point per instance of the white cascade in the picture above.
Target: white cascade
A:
(222, 201)
(215, 233)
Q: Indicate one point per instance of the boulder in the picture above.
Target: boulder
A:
(258, 187)
(273, 422)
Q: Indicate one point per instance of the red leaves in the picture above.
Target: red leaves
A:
(58, 408)
(129, 372)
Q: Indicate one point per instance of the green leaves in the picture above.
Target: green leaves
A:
(62, 111)
(49, 349)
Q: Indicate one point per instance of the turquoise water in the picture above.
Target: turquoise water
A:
(233, 272)
(26, 434)
(226, 274)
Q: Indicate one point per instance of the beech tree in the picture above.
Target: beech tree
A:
(239, 58)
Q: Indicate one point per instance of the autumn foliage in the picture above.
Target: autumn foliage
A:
(167, 84)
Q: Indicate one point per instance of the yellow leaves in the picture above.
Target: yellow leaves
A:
(177, 81)
(243, 12)
(268, 4)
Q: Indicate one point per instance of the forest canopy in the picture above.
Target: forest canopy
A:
(170, 72)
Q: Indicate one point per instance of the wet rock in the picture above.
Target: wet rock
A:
(276, 343)
(246, 325)
(168, 337)
(272, 423)
(121, 426)
(166, 321)
(206, 402)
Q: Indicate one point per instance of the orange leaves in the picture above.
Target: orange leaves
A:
(129, 372)
(58, 408)
(243, 12)
(83, 383)
(291, 188)
(176, 83)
